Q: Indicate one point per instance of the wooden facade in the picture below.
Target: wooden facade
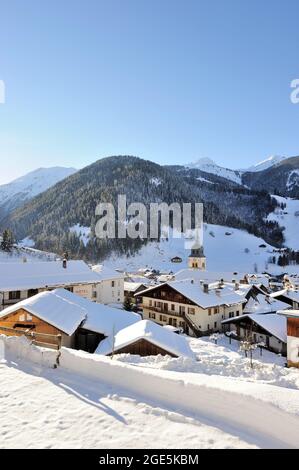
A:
(167, 293)
(24, 320)
(293, 327)
(143, 347)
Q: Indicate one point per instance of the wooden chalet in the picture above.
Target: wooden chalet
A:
(292, 317)
(146, 338)
(196, 309)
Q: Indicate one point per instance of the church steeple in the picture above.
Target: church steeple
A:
(197, 259)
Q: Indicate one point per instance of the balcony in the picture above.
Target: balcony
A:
(162, 310)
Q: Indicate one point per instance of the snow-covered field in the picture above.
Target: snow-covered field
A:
(56, 409)
(226, 249)
(22, 253)
(156, 402)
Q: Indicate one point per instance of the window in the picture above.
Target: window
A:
(173, 307)
(210, 311)
(191, 311)
(150, 303)
(215, 324)
(152, 316)
(14, 295)
(163, 293)
(216, 310)
(112, 283)
(237, 313)
(208, 326)
(231, 315)
(22, 317)
(32, 292)
(94, 294)
(29, 317)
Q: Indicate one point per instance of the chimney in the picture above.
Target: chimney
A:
(236, 285)
(64, 263)
(206, 288)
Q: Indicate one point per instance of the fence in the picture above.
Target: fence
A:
(36, 338)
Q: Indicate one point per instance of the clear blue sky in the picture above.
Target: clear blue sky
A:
(167, 80)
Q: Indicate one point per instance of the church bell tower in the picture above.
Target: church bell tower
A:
(197, 259)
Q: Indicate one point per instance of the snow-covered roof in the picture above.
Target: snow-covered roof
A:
(214, 276)
(289, 313)
(21, 276)
(66, 311)
(101, 318)
(132, 286)
(275, 324)
(54, 308)
(150, 331)
(291, 294)
(264, 304)
(194, 292)
(105, 273)
(208, 276)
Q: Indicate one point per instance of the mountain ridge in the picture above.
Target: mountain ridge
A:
(24, 188)
(49, 217)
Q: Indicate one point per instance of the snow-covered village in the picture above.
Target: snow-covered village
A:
(149, 216)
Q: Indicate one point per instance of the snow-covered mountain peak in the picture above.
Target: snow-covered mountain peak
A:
(202, 164)
(26, 187)
(267, 163)
(209, 166)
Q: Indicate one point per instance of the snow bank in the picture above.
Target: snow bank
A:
(209, 400)
(14, 348)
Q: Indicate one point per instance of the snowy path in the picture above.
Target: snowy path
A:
(51, 408)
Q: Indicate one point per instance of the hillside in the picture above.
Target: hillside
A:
(281, 178)
(21, 190)
(226, 249)
(49, 219)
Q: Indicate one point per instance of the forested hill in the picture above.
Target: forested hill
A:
(47, 218)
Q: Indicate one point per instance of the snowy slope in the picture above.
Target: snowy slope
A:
(267, 163)
(224, 253)
(26, 187)
(288, 218)
(209, 166)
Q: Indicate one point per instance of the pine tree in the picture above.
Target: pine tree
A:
(127, 304)
(7, 240)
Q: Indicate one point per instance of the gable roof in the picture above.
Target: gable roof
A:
(133, 286)
(67, 311)
(214, 276)
(21, 276)
(194, 292)
(53, 308)
(264, 304)
(289, 313)
(105, 273)
(151, 332)
(290, 294)
(275, 324)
